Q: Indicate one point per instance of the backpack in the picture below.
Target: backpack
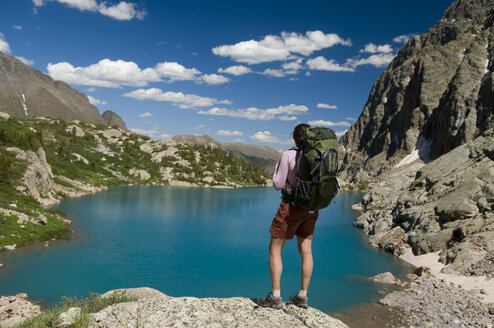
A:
(317, 165)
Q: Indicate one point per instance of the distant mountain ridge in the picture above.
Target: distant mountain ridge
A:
(193, 139)
(27, 93)
(436, 94)
(263, 156)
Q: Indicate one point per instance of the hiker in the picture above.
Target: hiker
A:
(290, 220)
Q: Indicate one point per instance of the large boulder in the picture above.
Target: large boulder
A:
(164, 311)
(15, 309)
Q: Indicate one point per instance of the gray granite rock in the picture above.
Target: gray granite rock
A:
(384, 278)
(444, 206)
(15, 309)
(68, 317)
(430, 302)
(164, 311)
(435, 95)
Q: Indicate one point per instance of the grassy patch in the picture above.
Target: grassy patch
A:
(12, 232)
(93, 304)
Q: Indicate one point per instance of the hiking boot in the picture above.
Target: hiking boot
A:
(300, 301)
(269, 301)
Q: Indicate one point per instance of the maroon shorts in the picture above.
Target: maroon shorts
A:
(292, 220)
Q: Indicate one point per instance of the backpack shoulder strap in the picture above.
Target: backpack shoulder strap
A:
(298, 158)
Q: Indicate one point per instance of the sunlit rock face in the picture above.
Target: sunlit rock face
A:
(435, 95)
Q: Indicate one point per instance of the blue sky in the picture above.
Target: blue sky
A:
(239, 71)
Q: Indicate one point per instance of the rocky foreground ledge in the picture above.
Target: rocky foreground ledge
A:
(155, 309)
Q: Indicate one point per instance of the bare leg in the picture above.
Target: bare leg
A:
(305, 250)
(275, 263)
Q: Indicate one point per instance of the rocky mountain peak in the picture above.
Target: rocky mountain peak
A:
(27, 93)
(112, 118)
(436, 94)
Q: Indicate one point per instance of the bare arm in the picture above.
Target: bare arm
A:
(281, 172)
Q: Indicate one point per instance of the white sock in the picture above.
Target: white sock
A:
(302, 293)
(276, 292)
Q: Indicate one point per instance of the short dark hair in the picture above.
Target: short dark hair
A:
(299, 133)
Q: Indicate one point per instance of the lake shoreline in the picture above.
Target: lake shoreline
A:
(431, 297)
(331, 218)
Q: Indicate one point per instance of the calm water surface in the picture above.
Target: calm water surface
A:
(194, 242)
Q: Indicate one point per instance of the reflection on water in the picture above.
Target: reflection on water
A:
(194, 242)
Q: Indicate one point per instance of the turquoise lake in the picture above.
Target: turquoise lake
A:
(195, 242)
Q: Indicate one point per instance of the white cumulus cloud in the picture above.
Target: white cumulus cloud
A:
(340, 133)
(115, 73)
(176, 72)
(95, 101)
(198, 127)
(321, 105)
(105, 73)
(284, 113)
(164, 136)
(372, 48)
(292, 67)
(178, 98)
(322, 64)
(273, 72)
(351, 118)
(214, 79)
(403, 38)
(121, 11)
(229, 133)
(146, 114)
(377, 60)
(328, 123)
(17, 27)
(264, 136)
(4, 46)
(235, 70)
(26, 61)
(274, 48)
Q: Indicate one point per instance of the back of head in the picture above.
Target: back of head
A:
(299, 134)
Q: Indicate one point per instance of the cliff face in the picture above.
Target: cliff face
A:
(446, 205)
(28, 93)
(436, 94)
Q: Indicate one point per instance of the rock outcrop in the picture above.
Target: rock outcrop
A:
(446, 205)
(112, 118)
(435, 95)
(15, 309)
(158, 310)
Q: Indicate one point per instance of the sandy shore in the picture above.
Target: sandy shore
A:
(431, 261)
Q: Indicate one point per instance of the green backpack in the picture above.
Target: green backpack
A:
(317, 165)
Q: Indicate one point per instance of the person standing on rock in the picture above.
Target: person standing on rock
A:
(290, 220)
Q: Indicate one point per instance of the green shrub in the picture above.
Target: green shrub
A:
(93, 304)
